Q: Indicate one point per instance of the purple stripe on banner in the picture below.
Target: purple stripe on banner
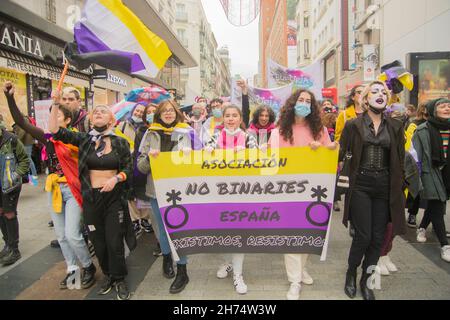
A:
(283, 215)
(89, 42)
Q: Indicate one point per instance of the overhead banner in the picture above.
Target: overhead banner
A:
(310, 77)
(275, 98)
(276, 202)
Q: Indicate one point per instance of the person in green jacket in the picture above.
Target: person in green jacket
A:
(431, 142)
(14, 163)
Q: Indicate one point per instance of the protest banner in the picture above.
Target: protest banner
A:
(310, 77)
(274, 98)
(246, 202)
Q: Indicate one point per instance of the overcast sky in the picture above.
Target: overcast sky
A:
(242, 42)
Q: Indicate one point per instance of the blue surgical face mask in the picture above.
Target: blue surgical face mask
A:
(196, 112)
(302, 109)
(136, 119)
(150, 117)
(217, 113)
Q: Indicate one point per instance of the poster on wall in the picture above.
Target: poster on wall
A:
(434, 79)
(20, 82)
(42, 113)
(310, 77)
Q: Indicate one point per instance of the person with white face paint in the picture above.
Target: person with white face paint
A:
(375, 196)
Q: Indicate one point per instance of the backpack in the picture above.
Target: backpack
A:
(10, 179)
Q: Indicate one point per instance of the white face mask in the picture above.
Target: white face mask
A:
(377, 97)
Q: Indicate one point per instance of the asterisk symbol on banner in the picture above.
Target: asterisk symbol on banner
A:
(319, 193)
(173, 196)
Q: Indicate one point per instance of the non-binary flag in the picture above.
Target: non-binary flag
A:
(112, 36)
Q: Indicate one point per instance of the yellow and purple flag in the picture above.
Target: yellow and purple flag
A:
(112, 36)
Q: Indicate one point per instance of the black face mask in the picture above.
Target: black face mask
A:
(101, 129)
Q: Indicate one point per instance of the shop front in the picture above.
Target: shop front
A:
(34, 63)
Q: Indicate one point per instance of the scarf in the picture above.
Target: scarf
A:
(99, 136)
(169, 129)
(228, 139)
(256, 127)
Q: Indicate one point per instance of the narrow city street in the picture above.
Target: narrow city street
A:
(422, 273)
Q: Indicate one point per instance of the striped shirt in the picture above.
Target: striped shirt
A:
(445, 134)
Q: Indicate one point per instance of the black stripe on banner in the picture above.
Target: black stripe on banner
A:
(249, 241)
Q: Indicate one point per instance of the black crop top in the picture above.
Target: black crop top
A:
(106, 162)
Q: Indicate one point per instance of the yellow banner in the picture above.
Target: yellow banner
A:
(20, 82)
(250, 162)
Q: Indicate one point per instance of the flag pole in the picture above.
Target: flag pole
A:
(63, 75)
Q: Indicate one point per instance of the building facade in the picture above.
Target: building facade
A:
(211, 78)
(33, 36)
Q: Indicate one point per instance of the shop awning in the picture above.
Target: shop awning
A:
(24, 64)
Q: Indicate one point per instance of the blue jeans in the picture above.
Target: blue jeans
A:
(161, 231)
(68, 230)
(29, 150)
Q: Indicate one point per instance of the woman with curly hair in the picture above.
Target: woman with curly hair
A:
(262, 124)
(300, 125)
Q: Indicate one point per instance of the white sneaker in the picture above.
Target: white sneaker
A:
(239, 284)
(383, 269)
(389, 264)
(224, 270)
(306, 278)
(445, 253)
(421, 235)
(294, 291)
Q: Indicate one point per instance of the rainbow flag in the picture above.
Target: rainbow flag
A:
(112, 36)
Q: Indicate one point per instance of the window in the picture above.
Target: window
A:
(181, 33)
(306, 22)
(51, 10)
(306, 45)
(181, 8)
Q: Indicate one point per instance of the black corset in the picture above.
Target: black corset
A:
(375, 158)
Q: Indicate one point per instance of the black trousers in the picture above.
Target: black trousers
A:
(10, 226)
(434, 213)
(369, 214)
(105, 219)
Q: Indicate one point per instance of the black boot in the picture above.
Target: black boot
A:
(12, 227)
(366, 292)
(5, 249)
(168, 266)
(88, 276)
(350, 283)
(181, 279)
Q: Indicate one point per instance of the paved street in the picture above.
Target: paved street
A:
(422, 274)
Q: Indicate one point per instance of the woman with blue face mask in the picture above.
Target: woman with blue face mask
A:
(133, 129)
(299, 125)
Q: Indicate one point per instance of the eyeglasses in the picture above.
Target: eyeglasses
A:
(168, 111)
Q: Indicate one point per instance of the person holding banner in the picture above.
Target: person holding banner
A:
(232, 135)
(133, 130)
(167, 133)
(376, 182)
(299, 125)
(352, 110)
(104, 167)
(66, 213)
